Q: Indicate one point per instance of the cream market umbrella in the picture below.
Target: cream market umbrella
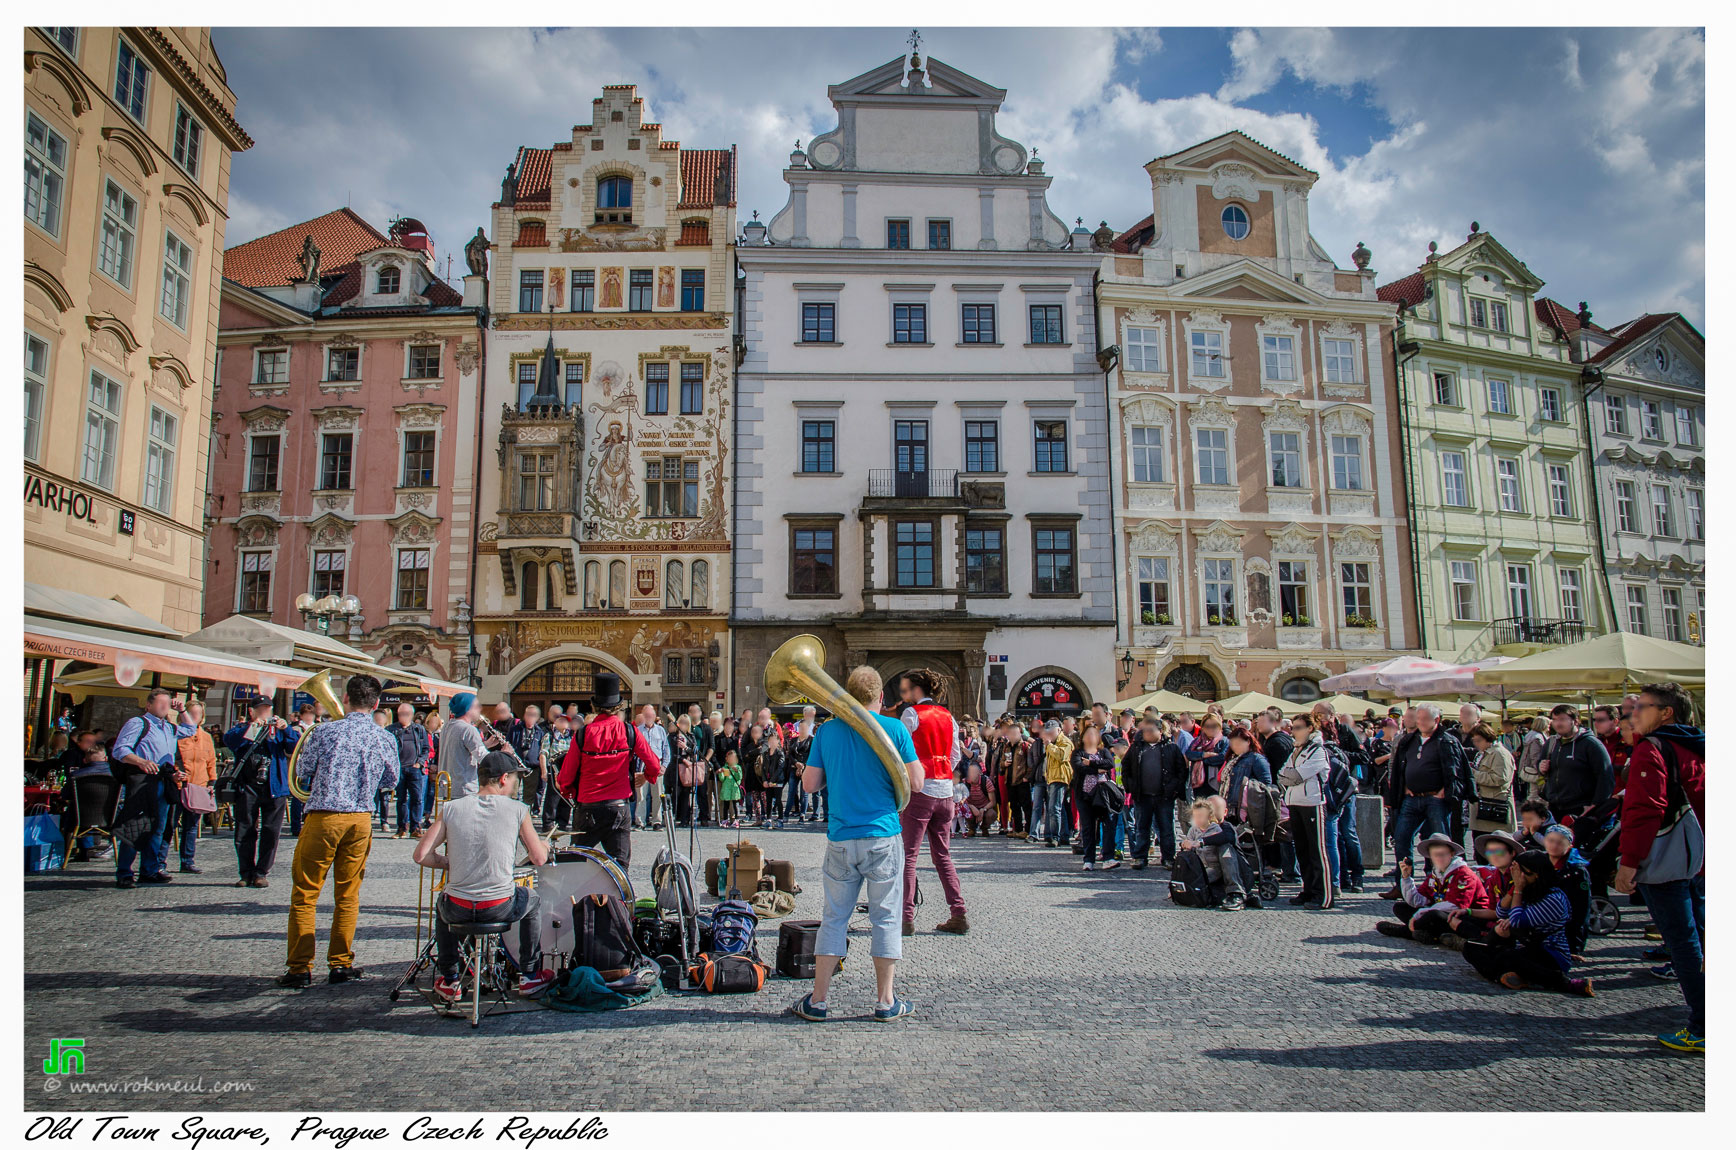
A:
(1376, 675)
(1609, 663)
(1351, 705)
(1167, 702)
(1253, 702)
(1449, 680)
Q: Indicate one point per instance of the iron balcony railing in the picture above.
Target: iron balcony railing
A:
(1525, 629)
(888, 483)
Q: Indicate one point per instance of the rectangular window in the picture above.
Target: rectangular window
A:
(692, 389)
(1498, 315)
(1286, 447)
(1462, 574)
(1627, 513)
(1652, 420)
(67, 38)
(1347, 462)
(1055, 567)
(526, 384)
(1146, 449)
(1637, 611)
(120, 225)
(255, 582)
(819, 323)
(1615, 415)
(1549, 405)
(692, 289)
(985, 560)
(978, 323)
(1144, 350)
(536, 481)
(189, 140)
(898, 233)
(939, 235)
(262, 454)
(160, 460)
(1479, 312)
(575, 383)
(1455, 491)
(35, 392)
(1051, 444)
(814, 561)
(1694, 499)
(583, 296)
(177, 279)
(639, 289)
(530, 290)
(336, 454)
(1212, 451)
(343, 363)
(132, 79)
(1219, 582)
(44, 174)
(1046, 324)
(412, 579)
(1293, 593)
(328, 573)
(1519, 591)
(1446, 390)
(418, 459)
(1358, 593)
(1207, 354)
(672, 488)
(982, 445)
(1685, 433)
(1673, 631)
(273, 366)
(1662, 521)
(1340, 357)
(1500, 396)
(1507, 482)
(1278, 356)
(913, 554)
(1153, 584)
(1572, 602)
(910, 323)
(656, 389)
(1560, 491)
(425, 361)
(818, 439)
(102, 431)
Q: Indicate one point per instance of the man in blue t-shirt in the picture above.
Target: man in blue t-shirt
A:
(865, 846)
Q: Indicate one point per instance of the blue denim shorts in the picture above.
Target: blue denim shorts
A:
(878, 864)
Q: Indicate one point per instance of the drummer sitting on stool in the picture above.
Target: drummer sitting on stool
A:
(481, 833)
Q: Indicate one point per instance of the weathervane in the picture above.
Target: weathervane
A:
(914, 40)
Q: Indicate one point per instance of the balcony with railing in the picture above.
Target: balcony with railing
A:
(920, 487)
(1531, 632)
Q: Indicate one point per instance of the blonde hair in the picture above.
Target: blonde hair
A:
(1202, 805)
(863, 684)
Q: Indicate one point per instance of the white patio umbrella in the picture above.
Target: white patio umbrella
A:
(1449, 680)
(1377, 675)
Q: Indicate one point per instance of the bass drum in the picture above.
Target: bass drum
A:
(576, 873)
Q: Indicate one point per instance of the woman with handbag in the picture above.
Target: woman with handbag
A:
(198, 758)
(1092, 768)
(1493, 772)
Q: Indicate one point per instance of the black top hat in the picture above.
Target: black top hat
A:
(605, 690)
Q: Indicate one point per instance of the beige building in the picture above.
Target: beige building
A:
(128, 134)
(1261, 538)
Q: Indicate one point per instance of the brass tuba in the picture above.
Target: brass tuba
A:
(797, 669)
(320, 687)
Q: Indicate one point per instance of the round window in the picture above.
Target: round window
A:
(1663, 357)
(1235, 222)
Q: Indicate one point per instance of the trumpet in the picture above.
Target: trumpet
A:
(320, 687)
(798, 668)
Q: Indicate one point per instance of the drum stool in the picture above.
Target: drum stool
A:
(484, 947)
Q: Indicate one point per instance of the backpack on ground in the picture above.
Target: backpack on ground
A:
(733, 923)
(728, 973)
(603, 936)
(1187, 881)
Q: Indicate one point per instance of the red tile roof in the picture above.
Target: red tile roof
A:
(275, 260)
(437, 293)
(1134, 238)
(696, 234)
(533, 176)
(532, 234)
(1408, 291)
(1564, 321)
(700, 168)
(1631, 332)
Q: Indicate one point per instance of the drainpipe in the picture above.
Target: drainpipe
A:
(1592, 380)
(1403, 353)
(738, 284)
(472, 678)
(1107, 357)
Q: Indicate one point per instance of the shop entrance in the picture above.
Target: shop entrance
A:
(569, 682)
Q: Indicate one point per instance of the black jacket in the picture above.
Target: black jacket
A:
(1454, 765)
(1277, 747)
(1157, 771)
(1580, 773)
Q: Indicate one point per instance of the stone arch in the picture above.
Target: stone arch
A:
(1196, 676)
(1083, 698)
(955, 685)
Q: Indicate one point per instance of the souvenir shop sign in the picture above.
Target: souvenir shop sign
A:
(1050, 693)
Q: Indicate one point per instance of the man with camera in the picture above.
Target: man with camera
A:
(144, 762)
(262, 746)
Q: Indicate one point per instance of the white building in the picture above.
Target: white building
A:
(921, 428)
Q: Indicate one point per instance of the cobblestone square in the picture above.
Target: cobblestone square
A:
(1073, 991)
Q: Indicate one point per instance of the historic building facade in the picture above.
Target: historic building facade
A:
(1645, 395)
(1260, 507)
(921, 430)
(1504, 520)
(342, 493)
(128, 136)
(604, 543)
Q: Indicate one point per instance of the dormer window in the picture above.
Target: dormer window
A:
(614, 200)
(386, 283)
(1236, 224)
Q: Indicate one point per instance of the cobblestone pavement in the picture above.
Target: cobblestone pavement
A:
(1073, 991)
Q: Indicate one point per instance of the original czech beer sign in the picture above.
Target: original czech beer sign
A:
(1050, 693)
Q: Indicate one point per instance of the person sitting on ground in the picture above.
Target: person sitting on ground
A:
(960, 792)
(1451, 884)
(1212, 842)
(1573, 876)
(979, 802)
(1534, 818)
(1500, 848)
(482, 833)
(1529, 947)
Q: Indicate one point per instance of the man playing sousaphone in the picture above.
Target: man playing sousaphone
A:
(481, 833)
(597, 775)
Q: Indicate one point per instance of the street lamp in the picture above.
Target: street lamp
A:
(319, 614)
(1126, 667)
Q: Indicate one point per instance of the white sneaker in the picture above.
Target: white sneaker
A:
(1111, 864)
(1090, 866)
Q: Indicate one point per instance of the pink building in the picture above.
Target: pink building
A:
(344, 441)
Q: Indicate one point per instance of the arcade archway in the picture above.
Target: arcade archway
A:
(568, 682)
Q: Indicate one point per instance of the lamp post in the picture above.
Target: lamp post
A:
(1126, 668)
(319, 614)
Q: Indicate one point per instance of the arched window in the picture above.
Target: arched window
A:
(1300, 689)
(674, 584)
(699, 584)
(387, 281)
(527, 580)
(614, 192)
(593, 584)
(618, 584)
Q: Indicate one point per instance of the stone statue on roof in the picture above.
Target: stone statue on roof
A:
(476, 254)
(309, 260)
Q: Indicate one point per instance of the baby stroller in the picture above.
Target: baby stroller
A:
(1597, 836)
(1265, 824)
(1258, 877)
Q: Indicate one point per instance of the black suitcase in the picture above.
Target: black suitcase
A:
(796, 941)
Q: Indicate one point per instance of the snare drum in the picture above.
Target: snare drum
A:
(576, 873)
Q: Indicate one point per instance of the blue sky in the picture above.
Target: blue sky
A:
(1582, 150)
